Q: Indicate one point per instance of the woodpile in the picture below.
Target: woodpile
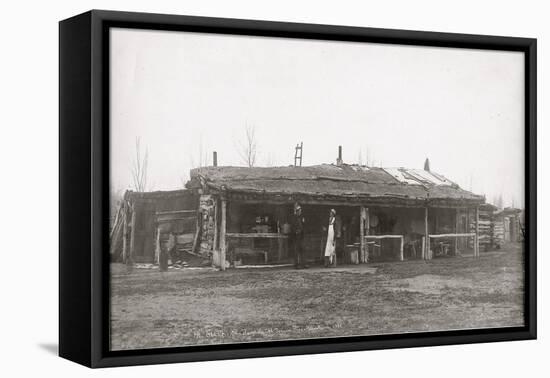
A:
(498, 232)
(491, 229)
(117, 234)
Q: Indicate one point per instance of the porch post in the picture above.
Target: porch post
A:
(468, 228)
(423, 250)
(124, 233)
(367, 228)
(157, 246)
(130, 258)
(222, 234)
(216, 229)
(476, 240)
(426, 238)
(363, 231)
(279, 244)
(456, 230)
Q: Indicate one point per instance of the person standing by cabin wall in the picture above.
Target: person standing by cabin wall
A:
(330, 248)
(166, 252)
(298, 228)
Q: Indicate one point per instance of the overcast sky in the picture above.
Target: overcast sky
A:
(464, 109)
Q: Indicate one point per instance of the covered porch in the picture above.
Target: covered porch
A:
(253, 230)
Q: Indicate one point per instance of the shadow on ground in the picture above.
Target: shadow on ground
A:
(51, 348)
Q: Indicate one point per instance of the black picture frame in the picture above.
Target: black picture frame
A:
(84, 173)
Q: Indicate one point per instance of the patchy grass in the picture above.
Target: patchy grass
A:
(151, 309)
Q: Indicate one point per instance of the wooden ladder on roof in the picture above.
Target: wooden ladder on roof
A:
(298, 154)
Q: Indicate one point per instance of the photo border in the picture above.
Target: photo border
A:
(84, 188)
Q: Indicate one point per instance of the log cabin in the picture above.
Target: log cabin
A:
(235, 216)
(382, 213)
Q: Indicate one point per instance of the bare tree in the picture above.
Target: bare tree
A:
(197, 156)
(369, 158)
(201, 160)
(270, 160)
(115, 198)
(499, 201)
(249, 148)
(139, 167)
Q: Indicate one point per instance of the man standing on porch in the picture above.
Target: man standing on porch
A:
(298, 228)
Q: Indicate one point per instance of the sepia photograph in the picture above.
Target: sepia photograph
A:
(268, 188)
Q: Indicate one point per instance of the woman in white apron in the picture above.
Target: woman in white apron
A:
(330, 254)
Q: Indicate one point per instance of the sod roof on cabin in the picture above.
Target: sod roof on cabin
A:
(345, 181)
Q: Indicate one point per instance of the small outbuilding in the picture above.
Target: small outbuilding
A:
(145, 220)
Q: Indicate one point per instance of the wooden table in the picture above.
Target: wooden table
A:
(380, 237)
(261, 235)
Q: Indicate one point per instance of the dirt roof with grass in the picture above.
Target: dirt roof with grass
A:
(342, 181)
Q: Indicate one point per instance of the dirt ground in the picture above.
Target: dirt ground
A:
(201, 306)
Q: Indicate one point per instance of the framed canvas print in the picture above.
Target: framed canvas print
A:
(235, 188)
